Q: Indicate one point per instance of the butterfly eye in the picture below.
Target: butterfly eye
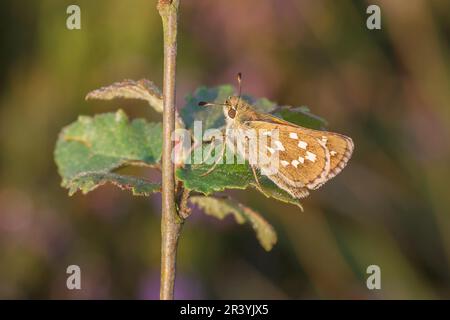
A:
(231, 113)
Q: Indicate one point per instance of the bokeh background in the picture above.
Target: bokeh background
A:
(388, 89)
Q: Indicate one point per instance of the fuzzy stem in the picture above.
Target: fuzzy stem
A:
(170, 222)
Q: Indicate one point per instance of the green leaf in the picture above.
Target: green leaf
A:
(262, 104)
(224, 176)
(229, 176)
(271, 190)
(220, 208)
(88, 181)
(211, 117)
(300, 116)
(106, 142)
(129, 89)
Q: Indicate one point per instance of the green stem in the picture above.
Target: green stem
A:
(170, 222)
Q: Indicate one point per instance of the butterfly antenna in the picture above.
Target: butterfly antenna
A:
(209, 104)
(239, 79)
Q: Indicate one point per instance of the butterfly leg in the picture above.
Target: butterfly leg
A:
(256, 177)
(218, 160)
(211, 142)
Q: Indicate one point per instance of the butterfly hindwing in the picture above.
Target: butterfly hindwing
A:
(340, 146)
(306, 158)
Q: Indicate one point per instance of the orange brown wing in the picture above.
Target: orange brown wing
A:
(306, 158)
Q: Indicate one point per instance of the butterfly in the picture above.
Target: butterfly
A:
(306, 158)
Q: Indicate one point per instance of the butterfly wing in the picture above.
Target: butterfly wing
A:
(307, 158)
(340, 148)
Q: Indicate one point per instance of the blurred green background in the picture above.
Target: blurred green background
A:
(388, 89)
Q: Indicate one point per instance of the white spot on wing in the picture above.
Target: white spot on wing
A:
(267, 133)
(272, 151)
(278, 145)
(284, 163)
(301, 159)
(294, 163)
(302, 144)
(310, 156)
(333, 153)
(293, 135)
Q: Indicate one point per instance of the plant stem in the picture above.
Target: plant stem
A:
(170, 222)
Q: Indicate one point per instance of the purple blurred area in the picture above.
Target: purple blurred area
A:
(388, 89)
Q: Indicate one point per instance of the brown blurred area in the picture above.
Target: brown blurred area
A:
(388, 89)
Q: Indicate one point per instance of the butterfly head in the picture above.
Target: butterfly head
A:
(234, 107)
